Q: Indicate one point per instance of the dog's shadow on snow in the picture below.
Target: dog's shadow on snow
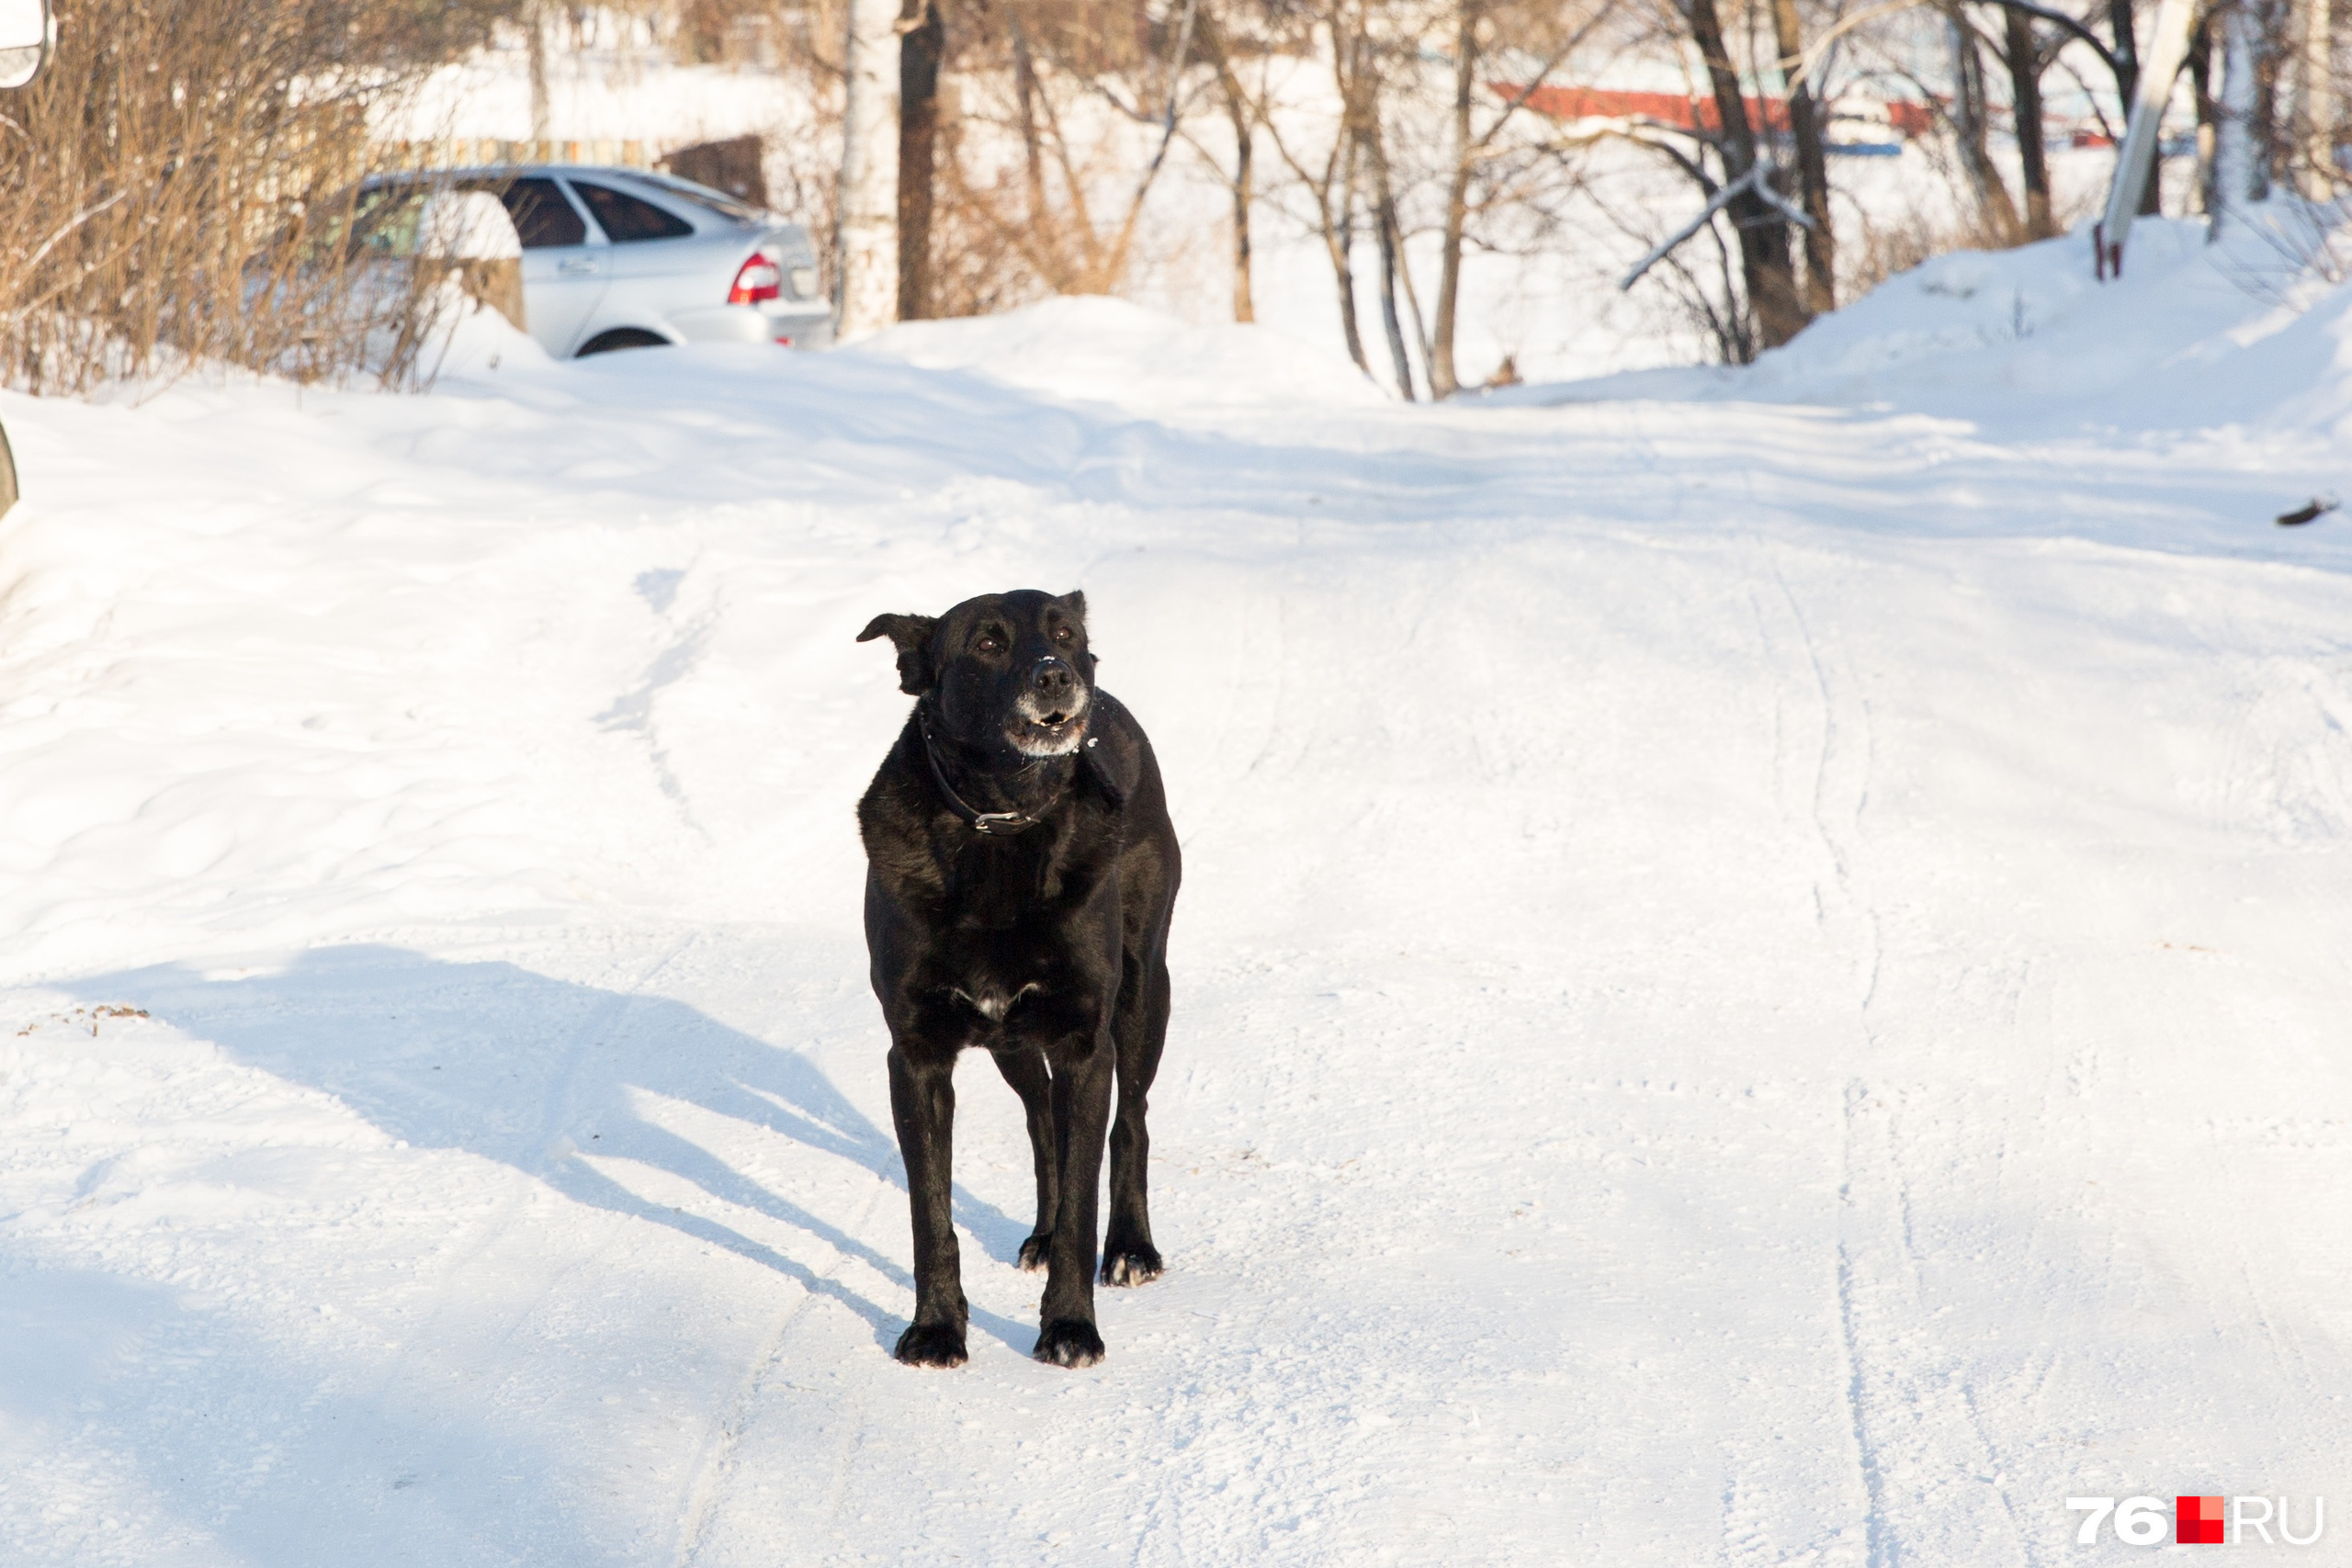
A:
(536, 1073)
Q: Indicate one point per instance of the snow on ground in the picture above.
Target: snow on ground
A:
(1761, 980)
(2027, 339)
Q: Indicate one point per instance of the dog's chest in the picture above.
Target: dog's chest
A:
(1014, 957)
(990, 996)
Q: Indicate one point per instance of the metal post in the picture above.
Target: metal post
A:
(2136, 164)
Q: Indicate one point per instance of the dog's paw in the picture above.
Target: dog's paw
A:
(1033, 1252)
(933, 1345)
(1132, 1266)
(1069, 1342)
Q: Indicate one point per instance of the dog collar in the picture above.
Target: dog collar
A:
(993, 823)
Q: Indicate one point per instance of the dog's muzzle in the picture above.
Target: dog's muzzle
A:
(1051, 714)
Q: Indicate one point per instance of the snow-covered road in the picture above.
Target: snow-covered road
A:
(1759, 982)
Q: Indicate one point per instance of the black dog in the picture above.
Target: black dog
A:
(1021, 871)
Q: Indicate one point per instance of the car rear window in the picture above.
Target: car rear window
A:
(383, 220)
(542, 218)
(625, 218)
(719, 201)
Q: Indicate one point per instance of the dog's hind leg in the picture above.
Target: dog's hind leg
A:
(1025, 1071)
(1141, 1027)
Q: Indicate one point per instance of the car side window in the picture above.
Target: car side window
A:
(625, 218)
(542, 218)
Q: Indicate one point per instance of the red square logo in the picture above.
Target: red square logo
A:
(2197, 1521)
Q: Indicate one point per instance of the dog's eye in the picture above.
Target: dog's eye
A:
(1062, 636)
(988, 645)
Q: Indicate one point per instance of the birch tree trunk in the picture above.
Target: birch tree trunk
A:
(1390, 242)
(2317, 101)
(2268, 128)
(868, 253)
(1340, 241)
(1336, 193)
(1442, 380)
(534, 21)
(2235, 183)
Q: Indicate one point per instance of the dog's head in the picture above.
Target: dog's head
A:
(1003, 670)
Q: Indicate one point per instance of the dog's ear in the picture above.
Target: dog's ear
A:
(1113, 747)
(911, 634)
(1074, 602)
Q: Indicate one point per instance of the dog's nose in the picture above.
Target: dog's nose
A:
(1052, 678)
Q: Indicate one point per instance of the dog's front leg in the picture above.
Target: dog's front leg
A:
(1067, 1336)
(922, 1103)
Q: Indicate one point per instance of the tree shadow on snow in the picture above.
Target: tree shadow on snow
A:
(527, 1070)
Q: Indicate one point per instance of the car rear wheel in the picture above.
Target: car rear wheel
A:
(621, 337)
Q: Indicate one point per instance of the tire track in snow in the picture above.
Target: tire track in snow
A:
(714, 1467)
(632, 711)
(1935, 1479)
(599, 1026)
(1874, 1218)
(1841, 775)
(1922, 1447)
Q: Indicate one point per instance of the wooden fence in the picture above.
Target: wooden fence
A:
(488, 152)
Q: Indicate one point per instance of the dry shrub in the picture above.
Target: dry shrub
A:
(175, 188)
(1898, 242)
(1046, 152)
(977, 267)
(1008, 230)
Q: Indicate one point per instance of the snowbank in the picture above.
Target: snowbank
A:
(2027, 338)
(1092, 348)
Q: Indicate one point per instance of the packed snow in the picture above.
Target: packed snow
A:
(1761, 979)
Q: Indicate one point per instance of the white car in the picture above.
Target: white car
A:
(626, 258)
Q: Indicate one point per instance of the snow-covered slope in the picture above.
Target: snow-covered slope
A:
(1760, 982)
(2028, 340)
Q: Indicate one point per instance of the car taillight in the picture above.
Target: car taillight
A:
(758, 279)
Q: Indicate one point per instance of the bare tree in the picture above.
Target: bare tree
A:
(923, 43)
(1219, 38)
(1970, 113)
(1812, 162)
(1092, 108)
(1388, 236)
(1474, 146)
(535, 28)
(2022, 52)
(1329, 181)
(2240, 175)
(866, 273)
(1767, 274)
(2315, 96)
